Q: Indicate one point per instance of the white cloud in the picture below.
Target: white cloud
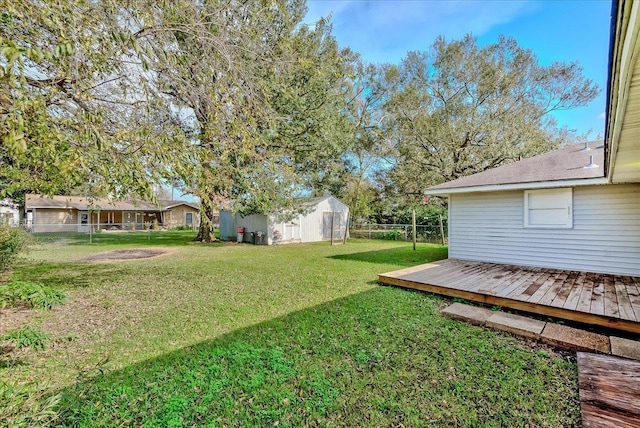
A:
(383, 31)
(602, 116)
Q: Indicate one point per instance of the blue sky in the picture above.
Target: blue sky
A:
(567, 31)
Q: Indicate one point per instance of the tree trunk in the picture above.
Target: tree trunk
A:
(205, 232)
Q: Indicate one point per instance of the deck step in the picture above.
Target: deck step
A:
(625, 348)
(574, 339)
(471, 314)
(516, 324)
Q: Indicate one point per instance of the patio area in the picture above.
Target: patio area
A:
(610, 301)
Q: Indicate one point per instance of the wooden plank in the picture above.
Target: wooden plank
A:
(449, 278)
(535, 286)
(566, 288)
(610, 297)
(536, 278)
(526, 278)
(584, 302)
(574, 289)
(433, 275)
(597, 296)
(634, 294)
(504, 280)
(609, 390)
(474, 280)
(555, 288)
(604, 321)
(624, 304)
(544, 288)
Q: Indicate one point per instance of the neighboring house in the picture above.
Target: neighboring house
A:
(79, 213)
(312, 226)
(9, 213)
(181, 213)
(572, 209)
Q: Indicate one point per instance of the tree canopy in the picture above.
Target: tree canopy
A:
(458, 109)
(243, 103)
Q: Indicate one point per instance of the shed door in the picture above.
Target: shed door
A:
(327, 218)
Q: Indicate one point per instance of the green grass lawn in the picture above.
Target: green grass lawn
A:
(297, 335)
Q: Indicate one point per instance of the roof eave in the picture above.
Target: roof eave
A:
(519, 186)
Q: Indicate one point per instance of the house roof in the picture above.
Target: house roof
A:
(171, 203)
(83, 203)
(554, 168)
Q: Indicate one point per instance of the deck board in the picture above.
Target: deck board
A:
(609, 390)
(592, 298)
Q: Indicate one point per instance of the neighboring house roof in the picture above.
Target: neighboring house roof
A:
(169, 203)
(566, 166)
(83, 203)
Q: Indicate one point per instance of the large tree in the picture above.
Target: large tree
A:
(75, 104)
(458, 109)
(255, 92)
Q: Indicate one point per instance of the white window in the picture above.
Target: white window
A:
(548, 208)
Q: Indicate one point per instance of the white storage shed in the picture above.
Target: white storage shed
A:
(322, 215)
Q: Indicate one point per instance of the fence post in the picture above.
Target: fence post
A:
(413, 224)
(442, 230)
(332, 216)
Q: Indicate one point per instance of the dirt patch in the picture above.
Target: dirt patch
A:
(126, 254)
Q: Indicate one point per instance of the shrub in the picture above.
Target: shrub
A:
(30, 294)
(27, 406)
(27, 337)
(13, 240)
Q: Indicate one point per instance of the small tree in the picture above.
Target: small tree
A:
(13, 240)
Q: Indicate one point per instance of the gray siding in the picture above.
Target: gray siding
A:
(605, 236)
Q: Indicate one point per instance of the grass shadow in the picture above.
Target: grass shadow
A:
(387, 359)
(399, 256)
(160, 237)
(70, 275)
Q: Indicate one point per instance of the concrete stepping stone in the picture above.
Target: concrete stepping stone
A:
(516, 324)
(625, 347)
(574, 339)
(471, 314)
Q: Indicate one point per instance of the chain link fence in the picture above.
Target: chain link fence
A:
(435, 232)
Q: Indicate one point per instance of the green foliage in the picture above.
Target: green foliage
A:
(13, 240)
(460, 108)
(30, 294)
(27, 406)
(27, 337)
(393, 235)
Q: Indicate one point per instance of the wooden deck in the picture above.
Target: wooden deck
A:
(606, 300)
(609, 391)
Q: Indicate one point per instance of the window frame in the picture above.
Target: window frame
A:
(569, 199)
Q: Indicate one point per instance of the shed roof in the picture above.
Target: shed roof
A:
(568, 163)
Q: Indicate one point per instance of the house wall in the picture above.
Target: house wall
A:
(176, 216)
(605, 236)
(55, 220)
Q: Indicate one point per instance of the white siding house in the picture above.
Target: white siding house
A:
(312, 226)
(604, 237)
(555, 210)
(9, 213)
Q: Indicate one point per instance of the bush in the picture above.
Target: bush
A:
(27, 406)
(13, 240)
(27, 337)
(30, 294)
